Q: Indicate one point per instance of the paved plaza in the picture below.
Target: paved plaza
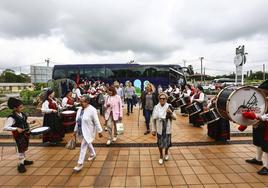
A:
(195, 161)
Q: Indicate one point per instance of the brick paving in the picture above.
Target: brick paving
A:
(188, 166)
(192, 166)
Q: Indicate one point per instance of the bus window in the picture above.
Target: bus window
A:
(118, 73)
(162, 72)
(59, 74)
(135, 72)
(72, 74)
(93, 72)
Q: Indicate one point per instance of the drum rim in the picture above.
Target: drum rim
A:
(213, 120)
(195, 112)
(46, 128)
(63, 112)
(229, 98)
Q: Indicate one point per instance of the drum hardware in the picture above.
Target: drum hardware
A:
(210, 116)
(193, 109)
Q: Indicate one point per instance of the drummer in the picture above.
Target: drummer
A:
(199, 98)
(220, 129)
(68, 101)
(52, 119)
(260, 137)
(17, 123)
(185, 94)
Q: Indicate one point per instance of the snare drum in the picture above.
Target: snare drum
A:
(193, 109)
(233, 100)
(171, 98)
(183, 101)
(210, 116)
(40, 130)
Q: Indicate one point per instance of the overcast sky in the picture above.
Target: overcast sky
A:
(148, 31)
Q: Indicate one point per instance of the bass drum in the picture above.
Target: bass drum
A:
(233, 100)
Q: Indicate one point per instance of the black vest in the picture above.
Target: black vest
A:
(20, 122)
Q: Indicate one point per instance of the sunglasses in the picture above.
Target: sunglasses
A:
(162, 98)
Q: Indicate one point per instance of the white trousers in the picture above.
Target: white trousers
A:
(83, 151)
(111, 125)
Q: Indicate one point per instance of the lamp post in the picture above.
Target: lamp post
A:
(201, 59)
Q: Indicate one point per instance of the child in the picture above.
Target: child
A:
(17, 123)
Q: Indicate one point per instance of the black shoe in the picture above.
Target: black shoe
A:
(254, 161)
(263, 171)
(21, 168)
(27, 162)
(128, 113)
(146, 132)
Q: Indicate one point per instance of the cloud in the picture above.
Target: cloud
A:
(119, 30)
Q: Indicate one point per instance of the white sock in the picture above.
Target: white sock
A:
(259, 154)
(265, 160)
(21, 158)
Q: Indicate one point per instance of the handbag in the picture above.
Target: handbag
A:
(119, 128)
(71, 144)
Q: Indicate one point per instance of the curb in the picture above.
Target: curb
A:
(176, 144)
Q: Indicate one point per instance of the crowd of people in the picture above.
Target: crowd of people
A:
(158, 107)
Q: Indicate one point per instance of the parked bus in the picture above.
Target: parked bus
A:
(157, 74)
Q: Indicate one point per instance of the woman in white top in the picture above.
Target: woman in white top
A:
(162, 125)
(68, 101)
(186, 95)
(87, 125)
(52, 119)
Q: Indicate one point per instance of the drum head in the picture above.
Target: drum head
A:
(68, 112)
(243, 99)
(40, 130)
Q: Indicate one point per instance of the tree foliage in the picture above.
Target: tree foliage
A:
(9, 76)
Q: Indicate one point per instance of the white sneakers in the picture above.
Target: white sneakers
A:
(78, 167)
(166, 158)
(161, 161)
(91, 157)
(108, 142)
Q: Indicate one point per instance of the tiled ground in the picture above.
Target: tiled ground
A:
(206, 166)
(191, 166)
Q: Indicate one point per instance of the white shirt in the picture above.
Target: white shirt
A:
(64, 102)
(45, 107)
(77, 92)
(120, 92)
(159, 113)
(200, 99)
(9, 122)
(264, 117)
